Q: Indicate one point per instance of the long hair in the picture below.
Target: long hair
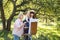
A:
(34, 16)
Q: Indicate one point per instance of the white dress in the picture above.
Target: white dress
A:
(17, 25)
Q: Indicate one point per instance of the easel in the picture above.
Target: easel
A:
(33, 29)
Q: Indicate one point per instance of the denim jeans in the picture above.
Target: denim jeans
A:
(16, 37)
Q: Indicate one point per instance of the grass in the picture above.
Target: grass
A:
(43, 33)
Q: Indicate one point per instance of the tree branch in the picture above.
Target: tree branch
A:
(6, 3)
(23, 3)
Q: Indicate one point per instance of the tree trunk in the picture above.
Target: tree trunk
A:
(46, 20)
(2, 14)
(8, 25)
(11, 17)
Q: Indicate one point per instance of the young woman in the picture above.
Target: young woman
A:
(26, 25)
(18, 27)
(32, 16)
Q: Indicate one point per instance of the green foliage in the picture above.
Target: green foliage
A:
(47, 33)
(8, 8)
(46, 8)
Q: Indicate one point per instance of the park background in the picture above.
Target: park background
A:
(47, 11)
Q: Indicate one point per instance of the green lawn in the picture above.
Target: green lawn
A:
(43, 33)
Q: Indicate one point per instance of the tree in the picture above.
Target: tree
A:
(7, 22)
(2, 14)
(46, 9)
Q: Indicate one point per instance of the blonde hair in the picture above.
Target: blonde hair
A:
(20, 14)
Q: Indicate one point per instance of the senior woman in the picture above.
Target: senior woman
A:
(18, 27)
